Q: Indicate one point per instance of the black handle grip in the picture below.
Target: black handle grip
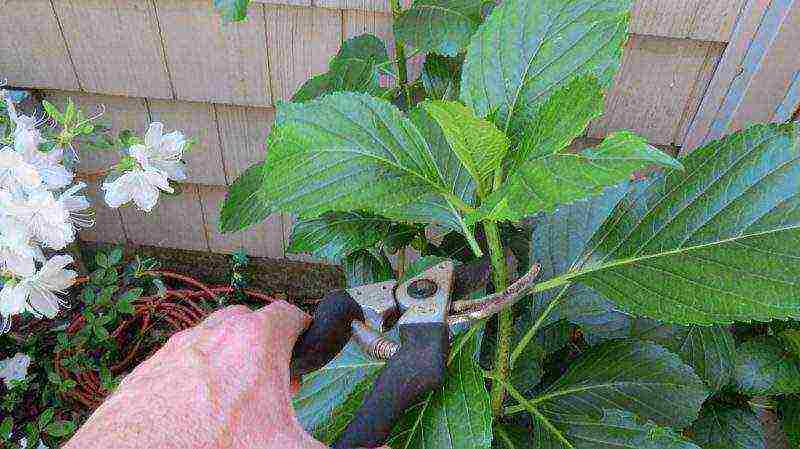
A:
(418, 367)
(328, 334)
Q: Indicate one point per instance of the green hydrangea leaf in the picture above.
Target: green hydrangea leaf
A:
(543, 183)
(479, 145)
(365, 267)
(328, 398)
(710, 350)
(456, 416)
(337, 234)
(356, 68)
(724, 427)
(441, 77)
(232, 10)
(789, 412)
(713, 244)
(764, 368)
(528, 49)
(245, 203)
(637, 376)
(441, 26)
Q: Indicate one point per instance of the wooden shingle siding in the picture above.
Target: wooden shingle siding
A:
(197, 121)
(175, 222)
(32, 52)
(115, 46)
(262, 240)
(243, 132)
(209, 61)
(660, 80)
(108, 222)
(300, 42)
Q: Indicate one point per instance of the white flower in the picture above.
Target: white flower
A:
(16, 173)
(48, 165)
(141, 186)
(49, 220)
(162, 152)
(14, 368)
(17, 255)
(38, 293)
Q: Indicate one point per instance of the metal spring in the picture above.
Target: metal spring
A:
(373, 343)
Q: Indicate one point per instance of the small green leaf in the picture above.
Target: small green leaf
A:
(631, 375)
(441, 26)
(45, 418)
(356, 68)
(125, 306)
(6, 427)
(131, 295)
(60, 429)
(420, 265)
(545, 182)
(763, 368)
(479, 145)
(724, 427)
(232, 10)
(100, 332)
(52, 111)
(337, 234)
(115, 256)
(791, 340)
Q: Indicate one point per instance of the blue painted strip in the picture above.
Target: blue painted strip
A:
(765, 35)
(790, 103)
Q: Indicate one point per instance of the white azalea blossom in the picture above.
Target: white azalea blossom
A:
(161, 152)
(48, 165)
(38, 293)
(141, 186)
(17, 254)
(14, 368)
(16, 173)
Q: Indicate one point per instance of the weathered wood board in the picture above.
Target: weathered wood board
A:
(243, 132)
(212, 61)
(300, 43)
(115, 46)
(33, 53)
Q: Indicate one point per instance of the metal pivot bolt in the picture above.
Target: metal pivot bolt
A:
(422, 288)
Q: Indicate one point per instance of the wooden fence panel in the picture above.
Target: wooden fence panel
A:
(33, 53)
(243, 132)
(197, 121)
(660, 82)
(301, 41)
(709, 20)
(115, 46)
(212, 61)
(262, 240)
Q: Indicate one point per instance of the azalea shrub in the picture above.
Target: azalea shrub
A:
(42, 208)
(665, 311)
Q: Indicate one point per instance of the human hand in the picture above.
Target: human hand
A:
(221, 385)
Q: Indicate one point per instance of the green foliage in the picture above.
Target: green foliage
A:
(723, 427)
(625, 336)
(527, 50)
(763, 368)
(441, 26)
(232, 10)
(789, 409)
(455, 416)
(712, 244)
(356, 68)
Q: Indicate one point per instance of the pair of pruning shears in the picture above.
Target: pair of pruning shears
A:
(424, 307)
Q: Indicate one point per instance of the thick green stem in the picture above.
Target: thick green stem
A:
(505, 320)
(400, 50)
